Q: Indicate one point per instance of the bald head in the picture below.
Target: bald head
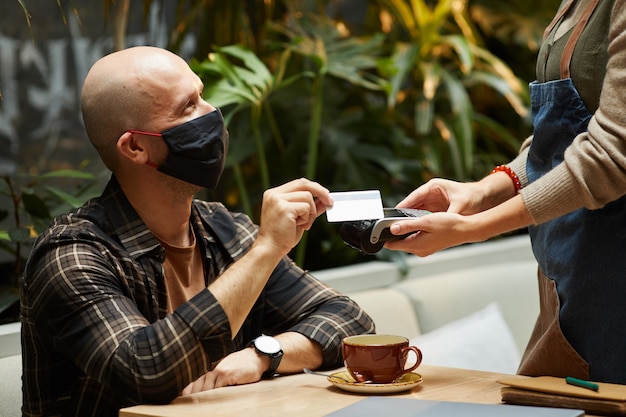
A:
(121, 92)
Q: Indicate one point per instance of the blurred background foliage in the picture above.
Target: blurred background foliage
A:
(355, 94)
(364, 94)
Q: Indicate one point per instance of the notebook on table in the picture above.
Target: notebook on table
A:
(555, 392)
(404, 407)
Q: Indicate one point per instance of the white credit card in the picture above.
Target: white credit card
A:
(355, 205)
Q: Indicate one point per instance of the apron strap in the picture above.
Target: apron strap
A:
(558, 17)
(568, 51)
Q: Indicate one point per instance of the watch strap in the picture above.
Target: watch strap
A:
(275, 359)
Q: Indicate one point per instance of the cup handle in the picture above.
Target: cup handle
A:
(418, 353)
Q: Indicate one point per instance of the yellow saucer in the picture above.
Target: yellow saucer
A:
(404, 383)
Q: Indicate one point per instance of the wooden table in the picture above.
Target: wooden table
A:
(305, 395)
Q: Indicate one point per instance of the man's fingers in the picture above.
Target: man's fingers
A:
(314, 189)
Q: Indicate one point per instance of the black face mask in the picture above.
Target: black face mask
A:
(197, 149)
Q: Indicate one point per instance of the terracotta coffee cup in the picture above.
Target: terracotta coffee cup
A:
(378, 358)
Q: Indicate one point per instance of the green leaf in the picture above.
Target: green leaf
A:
(26, 14)
(425, 103)
(403, 61)
(222, 94)
(19, 234)
(260, 75)
(350, 58)
(423, 115)
(227, 83)
(406, 16)
(227, 70)
(462, 117)
(503, 87)
(69, 174)
(64, 197)
(498, 133)
(35, 206)
(462, 47)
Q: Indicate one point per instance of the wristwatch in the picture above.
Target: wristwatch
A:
(270, 347)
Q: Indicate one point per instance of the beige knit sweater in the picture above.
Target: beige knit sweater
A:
(594, 170)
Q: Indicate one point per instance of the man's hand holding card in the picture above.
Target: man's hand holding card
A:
(365, 222)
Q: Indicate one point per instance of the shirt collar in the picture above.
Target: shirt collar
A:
(132, 232)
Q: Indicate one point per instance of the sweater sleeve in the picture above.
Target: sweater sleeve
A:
(593, 172)
(518, 165)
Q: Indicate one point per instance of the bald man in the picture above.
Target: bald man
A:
(146, 293)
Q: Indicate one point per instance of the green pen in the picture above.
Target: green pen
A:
(582, 383)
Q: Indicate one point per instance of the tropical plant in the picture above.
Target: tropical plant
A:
(415, 92)
(251, 85)
(383, 111)
(245, 86)
(514, 29)
(438, 59)
(330, 54)
(34, 200)
(400, 91)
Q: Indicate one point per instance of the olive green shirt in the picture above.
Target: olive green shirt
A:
(594, 170)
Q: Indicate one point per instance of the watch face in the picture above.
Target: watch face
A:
(267, 344)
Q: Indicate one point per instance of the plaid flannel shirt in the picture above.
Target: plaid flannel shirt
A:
(96, 336)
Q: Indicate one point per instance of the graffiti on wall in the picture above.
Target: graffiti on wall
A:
(40, 87)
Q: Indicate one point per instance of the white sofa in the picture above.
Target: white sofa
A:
(10, 371)
(445, 304)
(474, 306)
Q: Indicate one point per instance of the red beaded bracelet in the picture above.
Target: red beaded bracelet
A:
(503, 168)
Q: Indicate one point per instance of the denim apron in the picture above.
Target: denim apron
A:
(581, 330)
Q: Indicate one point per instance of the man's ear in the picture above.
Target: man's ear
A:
(130, 147)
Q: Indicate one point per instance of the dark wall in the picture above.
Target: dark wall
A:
(41, 73)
